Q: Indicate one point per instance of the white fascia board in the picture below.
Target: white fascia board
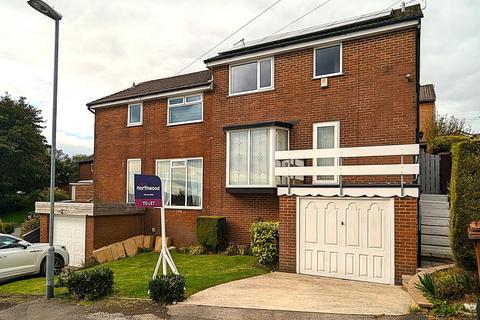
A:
(152, 97)
(335, 39)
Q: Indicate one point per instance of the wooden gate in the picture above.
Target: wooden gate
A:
(429, 173)
(435, 219)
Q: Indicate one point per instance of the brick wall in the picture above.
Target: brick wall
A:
(288, 234)
(373, 102)
(85, 171)
(427, 115)
(83, 193)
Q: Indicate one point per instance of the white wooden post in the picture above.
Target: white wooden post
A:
(164, 258)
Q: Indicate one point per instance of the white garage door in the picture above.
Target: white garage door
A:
(350, 238)
(70, 232)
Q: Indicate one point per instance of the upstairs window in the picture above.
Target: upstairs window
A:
(251, 76)
(250, 156)
(135, 114)
(328, 61)
(183, 110)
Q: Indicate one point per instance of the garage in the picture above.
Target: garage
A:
(70, 232)
(348, 238)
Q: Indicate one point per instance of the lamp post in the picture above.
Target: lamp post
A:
(45, 9)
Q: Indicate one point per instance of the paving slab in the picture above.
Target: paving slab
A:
(293, 292)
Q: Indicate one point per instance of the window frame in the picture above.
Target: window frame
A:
(135, 124)
(272, 138)
(258, 89)
(200, 207)
(336, 125)
(183, 104)
(128, 181)
(315, 61)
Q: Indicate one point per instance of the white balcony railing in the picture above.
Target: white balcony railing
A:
(401, 169)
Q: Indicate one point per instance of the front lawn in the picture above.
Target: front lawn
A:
(16, 217)
(133, 274)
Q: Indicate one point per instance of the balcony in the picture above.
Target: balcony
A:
(388, 171)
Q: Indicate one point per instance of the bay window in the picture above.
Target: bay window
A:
(181, 182)
(250, 156)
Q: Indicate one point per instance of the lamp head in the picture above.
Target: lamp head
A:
(44, 8)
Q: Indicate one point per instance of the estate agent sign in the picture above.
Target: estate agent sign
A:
(148, 191)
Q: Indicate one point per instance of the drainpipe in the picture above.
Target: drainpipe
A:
(417, 138)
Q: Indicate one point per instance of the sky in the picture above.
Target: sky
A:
(107, 45)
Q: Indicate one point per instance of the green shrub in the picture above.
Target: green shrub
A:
(211, 232)
(60, 195)
(167, 289)
(445, 143)
(427, 286)
(7, 227)
(464, 200)
(455, 283)
(237, 249)
(264, 236)
(30, 224)
(89, 284)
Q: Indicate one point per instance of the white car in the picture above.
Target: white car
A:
(19, 257)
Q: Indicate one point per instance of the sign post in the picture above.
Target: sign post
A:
(148, 194)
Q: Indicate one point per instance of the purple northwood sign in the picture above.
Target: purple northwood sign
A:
(148, 191)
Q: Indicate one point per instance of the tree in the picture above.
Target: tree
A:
(445, 125)
(67, 166)
(23, 153)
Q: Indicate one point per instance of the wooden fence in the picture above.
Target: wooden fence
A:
(435, 219)
(429, 172)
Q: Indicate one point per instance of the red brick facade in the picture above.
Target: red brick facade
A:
(83, 192)
(372, 100)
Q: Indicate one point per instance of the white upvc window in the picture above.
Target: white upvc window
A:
(134, 166)
(326, 136)
(327, 61)
(135, 115)
(185, 109)
(251, 76)
(182, 182)
(251, 156)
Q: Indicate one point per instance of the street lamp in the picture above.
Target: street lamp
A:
(45, 9)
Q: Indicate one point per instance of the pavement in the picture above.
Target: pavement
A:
(303, 293)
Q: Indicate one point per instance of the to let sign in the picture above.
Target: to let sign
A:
(148, 191)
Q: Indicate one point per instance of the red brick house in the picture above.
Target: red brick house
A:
(317, 129)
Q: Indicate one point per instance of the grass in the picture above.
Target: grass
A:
(133, 274)
(16, 217)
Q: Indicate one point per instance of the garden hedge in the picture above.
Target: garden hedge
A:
(464, 200)
(264, 236)
(211, 232)
(445, 143)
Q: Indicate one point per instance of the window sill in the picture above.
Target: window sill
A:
(252, 190)
(182, 208)
(183, 123)
(250, 92)
(330, 75)
(134, 124)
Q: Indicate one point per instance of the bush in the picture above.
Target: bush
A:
(7, 227)
(464, 200)
(30, 224)
(167, 289)
(445, 143)
(264, 236)
(60, 195)
(237, 249)
(89, 284)
(455, 283)
(211, 232)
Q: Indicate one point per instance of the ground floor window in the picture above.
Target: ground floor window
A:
(326, 136)
(181, 182)
(134, 166)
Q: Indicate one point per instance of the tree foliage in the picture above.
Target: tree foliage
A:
(23, 154)
(445, 125)
(66, 167)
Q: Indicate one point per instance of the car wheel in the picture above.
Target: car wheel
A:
(57, 266)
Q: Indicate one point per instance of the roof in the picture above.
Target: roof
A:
(87, 159)
(365, 22)
(427, 93)
(184, 81)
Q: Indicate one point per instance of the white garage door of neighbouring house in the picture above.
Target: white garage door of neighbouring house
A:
(349, 238)
(70, 232)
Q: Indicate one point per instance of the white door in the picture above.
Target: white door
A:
(349, 238)
(70, 232)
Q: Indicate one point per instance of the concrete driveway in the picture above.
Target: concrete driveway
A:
(293, 292)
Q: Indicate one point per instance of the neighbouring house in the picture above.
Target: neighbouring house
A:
(318, 129)
(82, 190)
(427, 98)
